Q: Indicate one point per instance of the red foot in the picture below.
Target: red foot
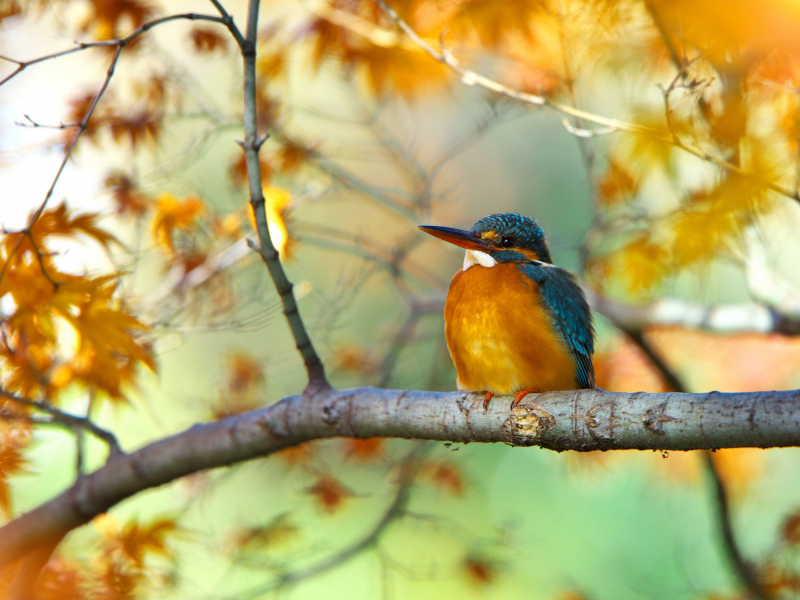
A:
(519, 396)
(486, 399)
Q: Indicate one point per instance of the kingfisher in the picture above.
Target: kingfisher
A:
(514, 322)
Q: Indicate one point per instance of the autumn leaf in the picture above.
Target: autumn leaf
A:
(277, 207)
(298, 455)
(11, 463)
(479, 569)
(279, 532)
(104, 18)
(493, 21)
(174, 215)
(329, 493)
(445, 475)
(135, 541)
(206, 40)
(238, 170)
(128, 200)
(138, 128)
(244, 373)
(617, 184)
(292, 155)
(791, 529)
(350, 358)
(61, 221)
(363, 450)
(640, 265)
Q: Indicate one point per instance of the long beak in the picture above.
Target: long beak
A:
(464, 239)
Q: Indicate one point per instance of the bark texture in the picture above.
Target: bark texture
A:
(580, 420)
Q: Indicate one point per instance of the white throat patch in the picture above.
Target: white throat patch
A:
(476, 257)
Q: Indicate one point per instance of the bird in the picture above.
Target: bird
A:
(514, 322)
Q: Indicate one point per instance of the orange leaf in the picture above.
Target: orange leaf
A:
(617, 184)
(479, 569)
(11, 463)
(278, 532)
(364, 450)
(134, 541)
(445, 475)
(329, 493)
(174, 215)
(128, 200)
(206, 40)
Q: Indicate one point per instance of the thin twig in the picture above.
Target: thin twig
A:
(73, 422)
(251, 146)
(742, 569)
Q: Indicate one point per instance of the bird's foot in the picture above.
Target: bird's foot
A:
(519, 396)
(486, 399)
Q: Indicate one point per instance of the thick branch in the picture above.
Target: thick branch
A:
(573, 420)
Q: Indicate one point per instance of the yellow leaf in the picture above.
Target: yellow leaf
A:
(173, 214)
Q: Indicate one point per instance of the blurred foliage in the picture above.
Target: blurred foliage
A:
(370, 137)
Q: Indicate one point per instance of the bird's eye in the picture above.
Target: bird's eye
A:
(507, 242)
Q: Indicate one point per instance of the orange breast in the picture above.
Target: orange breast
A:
(500, 336)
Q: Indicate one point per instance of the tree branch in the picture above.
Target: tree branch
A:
(251, 147)
(70, 421)
(744, 571)
(580, 420)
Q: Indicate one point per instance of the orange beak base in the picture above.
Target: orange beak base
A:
(463, 239)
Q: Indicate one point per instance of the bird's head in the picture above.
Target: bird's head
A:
(501, 238)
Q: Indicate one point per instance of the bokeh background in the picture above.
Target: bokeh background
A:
(366, 144)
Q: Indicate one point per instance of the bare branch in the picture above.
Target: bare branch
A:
(251, 146)
(744, 571)
(68, 420)
(572, 420)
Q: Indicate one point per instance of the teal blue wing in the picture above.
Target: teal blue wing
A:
(570, 312)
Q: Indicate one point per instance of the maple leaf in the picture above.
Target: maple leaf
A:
(445, 475)
(363, 450)
(493, 21)
(11, 463)
(616, 185)
(292, 155)
(350, 358)
(173, 215)
(298, 455)
(137, 128)
(479, 569)
(277, 533)
(206, 40)
(238, 171)
(329, 493)
(640, 265)
(135, 541)
(128, 200)
(60, 221)
(244, 373)
(791, 529)
(117, 580)
(277, 207)
(104, 18)
(108, 351)
(271, 65)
